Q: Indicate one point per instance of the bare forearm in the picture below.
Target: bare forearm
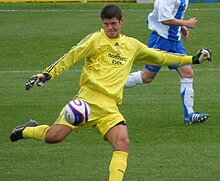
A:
(177, 22)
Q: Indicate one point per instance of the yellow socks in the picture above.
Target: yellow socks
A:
(37, 132)
(118, 165)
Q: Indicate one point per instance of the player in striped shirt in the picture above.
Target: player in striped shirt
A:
(166, 23)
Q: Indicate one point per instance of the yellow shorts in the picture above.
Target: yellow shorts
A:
(104, 111)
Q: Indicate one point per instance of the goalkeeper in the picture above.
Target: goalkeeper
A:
(109, 57)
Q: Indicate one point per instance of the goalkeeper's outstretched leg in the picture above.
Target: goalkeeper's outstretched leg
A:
(45, 133)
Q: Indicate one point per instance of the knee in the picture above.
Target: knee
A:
(148, 76)
(186, 72)
(146, 79)
(122, 144)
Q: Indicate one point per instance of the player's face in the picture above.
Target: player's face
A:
(112, 27)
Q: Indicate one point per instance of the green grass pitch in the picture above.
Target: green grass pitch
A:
(34, 35)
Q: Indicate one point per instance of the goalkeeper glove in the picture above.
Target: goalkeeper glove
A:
(203, 55)
(38, 79)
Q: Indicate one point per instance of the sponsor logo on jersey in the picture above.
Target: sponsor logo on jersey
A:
(117, 59)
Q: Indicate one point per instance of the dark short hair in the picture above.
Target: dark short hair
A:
(111, 11)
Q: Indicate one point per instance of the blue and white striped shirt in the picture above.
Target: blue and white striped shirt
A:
(167, 10)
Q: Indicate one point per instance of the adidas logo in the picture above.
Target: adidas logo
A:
(116, 44)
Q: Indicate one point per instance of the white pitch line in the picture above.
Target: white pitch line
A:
(47, 10)
(92, 10)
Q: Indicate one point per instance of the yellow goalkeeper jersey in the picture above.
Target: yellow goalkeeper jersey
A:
(108, 62)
